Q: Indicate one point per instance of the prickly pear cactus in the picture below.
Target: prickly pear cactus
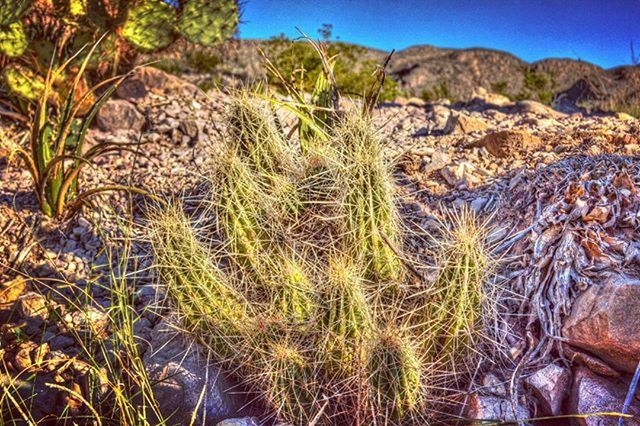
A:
(12, 10)
(23, 82)
(207, 22)
(13, 40)
(149, 25)
(77, 7)
(133, 26)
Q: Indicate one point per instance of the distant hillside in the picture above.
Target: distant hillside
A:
(431, 72)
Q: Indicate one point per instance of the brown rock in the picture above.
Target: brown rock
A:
(461, 175)
(118, 114)
(482, 96)
(550, 386)
(595, 364)
(533, 107)
(484, 407)
(505, 143)
(463, 124)
(622, 139)
(595, 394)
(11, 290)
(158, 81)
(32, 305)
(605, 320)
(22, 360)
(131, 89)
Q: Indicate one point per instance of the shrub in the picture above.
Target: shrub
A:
(437, 92)
(501, 88)
(301, 63)
(202, 61)
(537, 85)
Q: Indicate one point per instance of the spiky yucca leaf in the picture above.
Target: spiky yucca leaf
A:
(395, 372)
(208, 304)
(373, 227)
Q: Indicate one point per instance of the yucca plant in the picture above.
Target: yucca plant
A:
(56, 154)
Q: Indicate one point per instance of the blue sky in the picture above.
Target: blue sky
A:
(597, 31)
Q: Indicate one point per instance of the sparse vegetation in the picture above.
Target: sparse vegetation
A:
(538, 86)
(501, 88)
(299, 61)
(437, 92)
(203, 61)
(106, 382)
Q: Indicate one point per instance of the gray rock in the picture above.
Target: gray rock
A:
(478, 204)
(118, 114)
(181, 373)
(595, 394)
(485, 407)
(550, 385)
(439, 159)
(492, 384)
(61, 341)
(244, 421)
(605, 321)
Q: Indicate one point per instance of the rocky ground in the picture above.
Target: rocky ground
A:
(562, 188)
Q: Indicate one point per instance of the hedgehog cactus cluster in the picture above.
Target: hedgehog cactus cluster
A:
(292, 270)
(307, 321)
(27, 28)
